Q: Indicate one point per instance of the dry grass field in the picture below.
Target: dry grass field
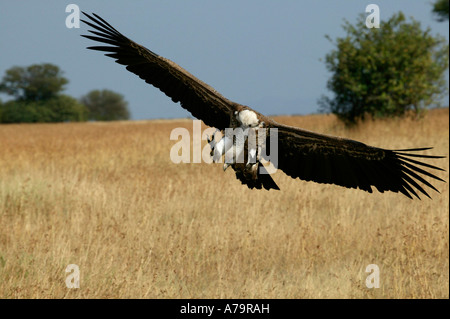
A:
(106, 197)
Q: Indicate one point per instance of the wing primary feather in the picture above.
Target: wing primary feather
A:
(418, 169)
(419, 155)
(420, 163)
(105, 31)
(103, 23)
(405, 187)
(419, 178)
(414, 149)
(104, 35)
(104, 39)
(414, 183)
(103, 48)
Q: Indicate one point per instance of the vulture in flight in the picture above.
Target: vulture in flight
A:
(300, 153)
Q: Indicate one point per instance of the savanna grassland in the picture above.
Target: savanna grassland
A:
(107, 197)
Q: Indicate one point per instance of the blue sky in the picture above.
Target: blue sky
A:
(264, 54)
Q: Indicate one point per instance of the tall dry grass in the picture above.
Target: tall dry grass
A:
(107, 198)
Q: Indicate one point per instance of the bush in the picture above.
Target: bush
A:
(385, 72)
(105, 105)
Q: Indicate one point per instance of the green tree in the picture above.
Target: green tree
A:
(37, 92)
(36, 82)
(441, 9)
(105, 105)
(385, 72)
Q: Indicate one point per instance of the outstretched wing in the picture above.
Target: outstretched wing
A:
(197, 97)
(333, 160)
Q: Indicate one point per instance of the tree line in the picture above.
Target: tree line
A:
(37, 92)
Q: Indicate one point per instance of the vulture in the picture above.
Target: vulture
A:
(299, 153)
